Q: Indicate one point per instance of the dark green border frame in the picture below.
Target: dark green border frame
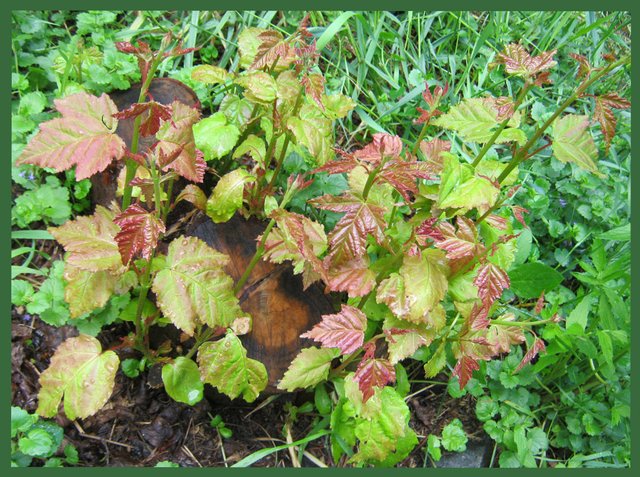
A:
(5, 61)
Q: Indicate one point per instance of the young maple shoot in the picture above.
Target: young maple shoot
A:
(425, 242)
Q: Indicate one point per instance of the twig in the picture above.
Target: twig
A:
(98, 438)
(186, 450)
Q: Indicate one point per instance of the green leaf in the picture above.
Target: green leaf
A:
(433, 447)
(259, 87)
(453, 437)
(310, 367)
(572, 142)
(414, 293)
(385, 438)
(475, 120)
(214, 136)
(227, 195)
(577, 320)
(86, 291)
(37, 443)
(486, 408)
(337, 106)
(254, 147)
(195, 285)
(32, 103)
(80, 372)
(210, 74)
(436, 363)
(538, 441)
(182, 381)
(21, 420)
(622, 233)
(21, 292)
(131, 367)
(224, 364)
(531, 279)
(461, 188)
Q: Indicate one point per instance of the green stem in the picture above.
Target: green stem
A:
(421, 136)
(131, 165)
(520, 323)
(200, 338)
(521, 155)
(254, 260)
(167, 207)
(503, 125)
(140, 329)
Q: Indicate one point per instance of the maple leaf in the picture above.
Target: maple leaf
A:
(344, 330)
(193, 285)
(475, 119)
(503, 106)
(501, 337)
(518, 213)
(177, 133)
(373, 372)
(84, 136)
(152, 113)
(464, 369)
(82, 374)
(382, 145)
(402, 176)
(433, 100)
(404, 338)
(192, 193)
(139, 233)
(228, 194)
(460, 244)
(519, 62)
(271, 49)
(479, 317)
(432, 152)
(90, 241)
(86, 291)
(537, 347)
(572, 142)
(338, 166)
(314, 87)
(142, 52)
(497, 221)
(414, 293)
(351, 276)
(491, 280)
(309, 368)
(225, 365)
(299, 239)
(428, 230)
(361, 218)
(584, 67)
(603, 113)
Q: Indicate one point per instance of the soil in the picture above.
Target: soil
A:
(141, 425)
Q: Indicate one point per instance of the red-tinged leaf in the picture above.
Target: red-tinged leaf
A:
(139, 233)
(271, 49)
(84, 136)
(125, 47)
(503, 105)
(314, 87)
(603, 113)
(372, 373)
(349, 237)
(497, 221)
(152, 113)
(299, 239)
(338, 166)
(428, 230)
(433, 100)
(431, 151)
(584, 68)
(501, 337)
(543, 78)
(464, 369)
(90, 241)
(344, 330)
(138, 158)
(536, 347)
(353, 277)
(539, 304)
(519, 62)
(382, 145)
(479, 317)
(462, 243)
(402, 176)
(178, 133)
(491, 280)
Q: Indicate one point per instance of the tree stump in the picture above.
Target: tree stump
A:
(273, 295)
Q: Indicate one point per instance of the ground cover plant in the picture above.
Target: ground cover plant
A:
(422, 215)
